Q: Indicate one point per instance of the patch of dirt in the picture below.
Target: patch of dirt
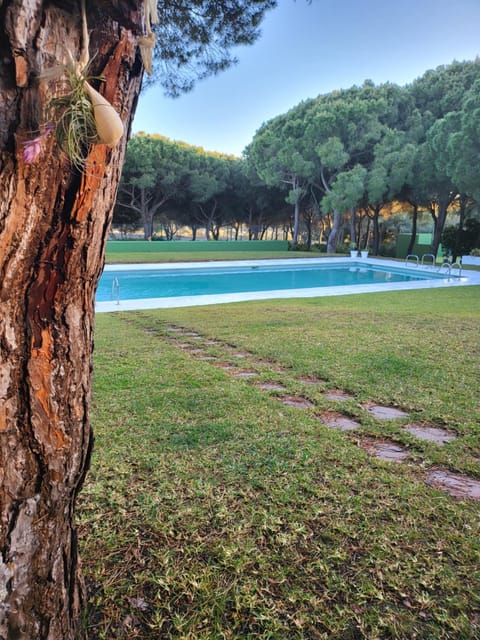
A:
(432, 434)
(272, 386)
(278, 369)
(385, 450)
(339, 421)
(296, 401)
(454, 484)
(337, 394)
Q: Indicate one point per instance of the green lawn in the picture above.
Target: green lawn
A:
(214, 511)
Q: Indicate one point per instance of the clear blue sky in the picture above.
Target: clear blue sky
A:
(310, 49)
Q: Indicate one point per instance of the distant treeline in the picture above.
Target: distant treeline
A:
(331, 169)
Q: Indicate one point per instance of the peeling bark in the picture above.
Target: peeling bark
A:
(53, 228)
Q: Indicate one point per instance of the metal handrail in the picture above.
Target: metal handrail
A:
(116, 289)
(448, 265)
(412, 255)
(429, 255)
(459, 266)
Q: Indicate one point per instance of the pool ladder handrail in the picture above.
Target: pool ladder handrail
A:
(428, 255)
(450, 266)
(116, 289)
(412, 255)
(459, 267)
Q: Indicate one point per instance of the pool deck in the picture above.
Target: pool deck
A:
(467, 278)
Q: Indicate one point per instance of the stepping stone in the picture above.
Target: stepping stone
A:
(184, 345)
(244, 374)
(195, 352)
(454, 484)
(338, 395)
(386, 450)
(191, 334)
(342, 423)
(241, 354)
(272, 386)
(226, 367)
(174, 329)
(386, 413)
(296, 401)
(432, 434)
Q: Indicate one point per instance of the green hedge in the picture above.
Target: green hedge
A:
(178, 246)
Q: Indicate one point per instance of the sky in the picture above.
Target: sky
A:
(305, 50)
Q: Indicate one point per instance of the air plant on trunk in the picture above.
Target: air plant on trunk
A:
(75, 128)
(81, 116)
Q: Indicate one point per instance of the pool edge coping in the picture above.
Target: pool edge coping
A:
(469, 278)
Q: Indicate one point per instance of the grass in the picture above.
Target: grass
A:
(213, 511)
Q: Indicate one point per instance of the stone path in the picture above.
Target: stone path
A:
(243, 364)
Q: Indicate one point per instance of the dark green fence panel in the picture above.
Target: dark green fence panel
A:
(179, 246)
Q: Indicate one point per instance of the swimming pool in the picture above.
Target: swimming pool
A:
(166, 285)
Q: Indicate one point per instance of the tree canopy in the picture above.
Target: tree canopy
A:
(367, 146)
(194, 39)
(337, 161)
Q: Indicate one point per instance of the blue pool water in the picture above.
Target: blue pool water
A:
(135, 284)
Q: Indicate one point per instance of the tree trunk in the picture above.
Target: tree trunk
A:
(460, 231)
(54, 223)
(147, 216)
(376, 228)
(296, 219)
(439, 222)
(367, 234)
(353, 236)
(334, 232)
(413, 234)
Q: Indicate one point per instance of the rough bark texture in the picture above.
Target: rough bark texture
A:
(53, 228)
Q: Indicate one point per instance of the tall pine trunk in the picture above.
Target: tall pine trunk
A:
(332, 241)
(413, 233)
(376, 228)
(54, 223)
(439, 219)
